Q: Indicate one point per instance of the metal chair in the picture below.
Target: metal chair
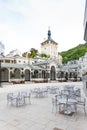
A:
(9, 98)
(26, 96)
(55, 103)
(81, 104)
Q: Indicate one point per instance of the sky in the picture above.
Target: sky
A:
(24, 23)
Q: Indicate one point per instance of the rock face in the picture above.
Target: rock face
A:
(85, 85)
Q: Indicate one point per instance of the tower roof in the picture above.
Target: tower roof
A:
(49, 38)
(49, 34)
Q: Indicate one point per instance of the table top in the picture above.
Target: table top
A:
(64, 101)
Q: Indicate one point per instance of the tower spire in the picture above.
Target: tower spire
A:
(49, 34)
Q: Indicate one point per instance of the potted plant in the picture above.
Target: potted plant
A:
(12, 75)
(22, 75)
(33, 76)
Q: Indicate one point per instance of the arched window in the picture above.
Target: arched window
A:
(53, 76)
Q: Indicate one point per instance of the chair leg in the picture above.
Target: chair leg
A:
(84, 110)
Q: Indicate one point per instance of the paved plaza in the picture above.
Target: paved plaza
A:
(38, 115)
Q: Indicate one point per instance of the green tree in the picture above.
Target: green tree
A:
(43, 55)
(33, 53)
(74, 53)
(33, 50)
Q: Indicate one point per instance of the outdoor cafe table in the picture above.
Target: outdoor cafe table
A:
(18, 98)
(65, 103)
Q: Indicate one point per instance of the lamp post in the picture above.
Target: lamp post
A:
(0, 74)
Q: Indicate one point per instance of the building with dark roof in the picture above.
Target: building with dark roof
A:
(50, 48)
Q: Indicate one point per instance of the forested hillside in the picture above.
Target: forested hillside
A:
(74, 53)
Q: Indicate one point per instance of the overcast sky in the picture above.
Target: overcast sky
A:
(24, 23)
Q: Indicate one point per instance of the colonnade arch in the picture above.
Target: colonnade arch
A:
(43, 74)
(17, 73)
(52, 73)
(4, 75)
(36, 73)
(27, 75)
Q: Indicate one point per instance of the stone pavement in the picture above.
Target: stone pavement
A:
(37, 115)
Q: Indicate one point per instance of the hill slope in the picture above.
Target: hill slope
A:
(74, 53)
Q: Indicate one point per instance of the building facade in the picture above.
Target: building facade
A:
(85, 22)
(15, 68)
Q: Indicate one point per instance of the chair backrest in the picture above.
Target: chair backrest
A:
(65, 93)
(24, 93)
(68, 87)
(78, 92)
(82, 100)
(9, 95)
